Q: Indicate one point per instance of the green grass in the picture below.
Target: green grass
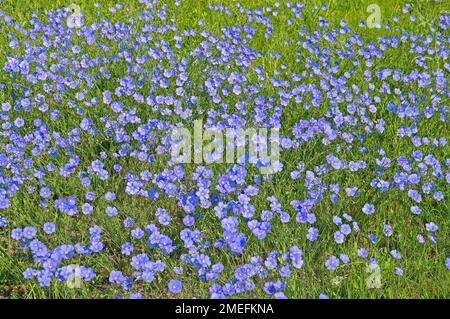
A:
(425, 274)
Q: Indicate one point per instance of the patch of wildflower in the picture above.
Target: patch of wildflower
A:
(82, 140)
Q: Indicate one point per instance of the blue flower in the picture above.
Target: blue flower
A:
(29, 232)
(45, 192)
(117, 277)
(362, 252)
(175, 286)
(16, 234)
(4, 202)
(3, 222)
(391, 107)
(396, 254)
(368, 209)
(49, 228)
(339, 237)
(344, 258)
(387, 230)
(332, 263)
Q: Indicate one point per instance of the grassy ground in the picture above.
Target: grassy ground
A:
(425, 274)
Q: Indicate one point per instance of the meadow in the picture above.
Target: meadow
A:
(93, 204)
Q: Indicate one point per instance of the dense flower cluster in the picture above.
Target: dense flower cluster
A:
(87, 113)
